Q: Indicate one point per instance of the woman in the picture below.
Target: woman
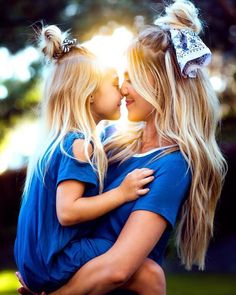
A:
(167, 88)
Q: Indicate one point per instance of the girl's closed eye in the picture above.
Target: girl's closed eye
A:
(116, 82)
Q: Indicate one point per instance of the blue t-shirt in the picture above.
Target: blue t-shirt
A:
(40, 237)
(167, 192)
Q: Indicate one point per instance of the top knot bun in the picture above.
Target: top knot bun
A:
(179, 15)
(51, 41)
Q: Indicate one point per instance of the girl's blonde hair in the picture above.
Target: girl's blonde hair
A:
(73, 78)
(187, 112)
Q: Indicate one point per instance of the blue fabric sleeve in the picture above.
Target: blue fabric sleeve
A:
(72, 169)
(169, 188)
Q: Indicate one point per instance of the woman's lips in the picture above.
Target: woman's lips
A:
(129, 101)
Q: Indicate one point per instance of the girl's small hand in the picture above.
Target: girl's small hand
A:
(132, 186)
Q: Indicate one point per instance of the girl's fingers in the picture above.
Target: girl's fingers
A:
(145, 173)
(143, 191)
(146, 180)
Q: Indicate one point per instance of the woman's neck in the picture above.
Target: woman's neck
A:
(150, 138)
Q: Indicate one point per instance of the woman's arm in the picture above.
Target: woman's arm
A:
(114, 268)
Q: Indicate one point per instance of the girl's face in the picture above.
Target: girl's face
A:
(106, 102)
(138, 108)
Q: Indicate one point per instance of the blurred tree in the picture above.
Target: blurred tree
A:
(18, 15)
(86, 18)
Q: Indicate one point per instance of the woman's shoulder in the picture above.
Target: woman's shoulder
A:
(108, 131)
(175, 155)
(174, 162)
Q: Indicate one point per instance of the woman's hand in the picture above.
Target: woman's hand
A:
(133, 185)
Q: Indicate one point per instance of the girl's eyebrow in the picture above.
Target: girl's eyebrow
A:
(116, 81)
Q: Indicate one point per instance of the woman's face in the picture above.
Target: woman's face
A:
(105, 104)
(138, 108)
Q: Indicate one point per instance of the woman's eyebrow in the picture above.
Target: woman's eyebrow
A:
(126, 74)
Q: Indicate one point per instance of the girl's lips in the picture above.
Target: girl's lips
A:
(129, 101)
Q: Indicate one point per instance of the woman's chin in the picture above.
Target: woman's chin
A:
(114, 117)
(133, 118)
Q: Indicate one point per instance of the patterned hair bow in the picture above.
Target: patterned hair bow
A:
(191, 52)
(64, 48)
(67, 44)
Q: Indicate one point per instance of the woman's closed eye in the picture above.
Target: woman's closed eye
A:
(127, 78)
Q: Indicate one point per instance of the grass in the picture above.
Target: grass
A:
(177, 284)
(8, 282)
(201, 284)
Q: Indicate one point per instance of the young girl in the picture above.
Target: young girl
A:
(64, 179)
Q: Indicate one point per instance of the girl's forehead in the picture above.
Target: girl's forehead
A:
(111, 73)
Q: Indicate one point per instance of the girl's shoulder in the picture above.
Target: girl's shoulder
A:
(70, 137)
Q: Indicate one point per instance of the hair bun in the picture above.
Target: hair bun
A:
(181, 14)
(51, 41)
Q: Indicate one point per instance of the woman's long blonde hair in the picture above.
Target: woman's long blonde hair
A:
(187, 112)
(74, 76)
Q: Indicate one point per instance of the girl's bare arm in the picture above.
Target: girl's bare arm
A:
(73, 208)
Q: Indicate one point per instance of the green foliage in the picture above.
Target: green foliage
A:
(18, 16)
(201, 284)
(22, 99)
(8, 283)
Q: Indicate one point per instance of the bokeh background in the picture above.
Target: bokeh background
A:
(107, 26)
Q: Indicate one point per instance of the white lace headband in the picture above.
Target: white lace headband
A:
(191, 52)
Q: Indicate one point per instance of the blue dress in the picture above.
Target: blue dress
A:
(44, 250)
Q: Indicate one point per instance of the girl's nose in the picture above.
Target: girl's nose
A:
(123, 89)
